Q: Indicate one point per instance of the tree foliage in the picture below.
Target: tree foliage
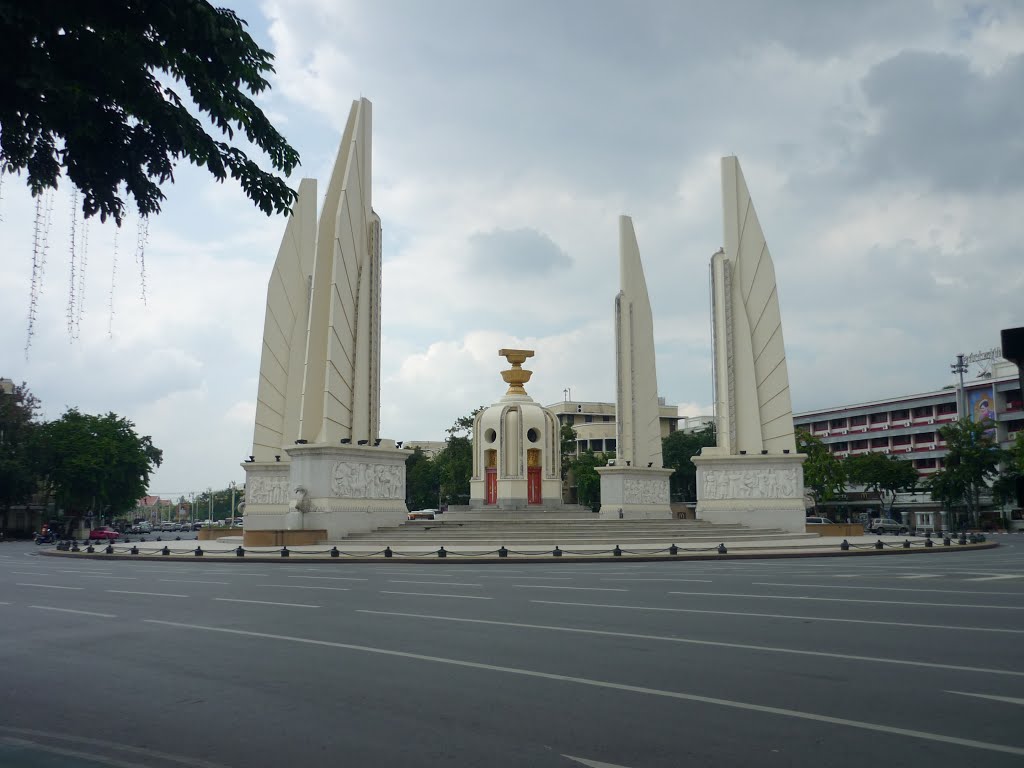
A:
(96, 465)
(1004, 490)
(677, 450)
(421, 481)
(567, 445)
(89, 91)
(588, 482)
(824, 474)
(972, 460)
(19, 431)
(885, 476)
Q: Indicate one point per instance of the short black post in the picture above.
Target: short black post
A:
(945, 541)
(845, 546)
(336, 553)
(673, 550)
(878, 544)
(928, 543)
(239, 551)
(502, 552)
(557, 552)
(906, 543)
(74, 546)
(166, 550)
(134, 550)
(110, 549)
(198, 552)
(285, 552)
(617, 552)
(159, 538)
(963, 538)
(90, 548)
(442, 553)
(721, 549)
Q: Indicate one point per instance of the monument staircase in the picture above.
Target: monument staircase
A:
(566, 533)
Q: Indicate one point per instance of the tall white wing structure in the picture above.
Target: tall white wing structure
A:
(638, 428)
(282, 361)
(754, 411)
(341, 390)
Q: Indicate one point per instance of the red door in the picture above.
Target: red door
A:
(492, 485)
(533, 485)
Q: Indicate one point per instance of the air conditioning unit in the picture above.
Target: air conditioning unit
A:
(909, 448)
(843, 431)
(885, 450)
(885, 426)
(931, 421)
(906, 423)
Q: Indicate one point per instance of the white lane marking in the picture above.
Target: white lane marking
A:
(90, 570)
(330, 578)
(784, 616)
(306, 586)
(703, 581)
(886, 588)
(71, 610)
(119, 578)
(689, 641)
(265, 602)
(435, 594)
(1004, 699)
(542, 578)
(922, 576)
(850, 600)
(998, 578)
(439, 583)
(82, 741)
(150, 594)
(559, 586)
(593, 763)
(191, 581)
(32, 573)
(48, 586)
(623, 687)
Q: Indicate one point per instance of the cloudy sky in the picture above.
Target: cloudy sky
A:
(881, 143)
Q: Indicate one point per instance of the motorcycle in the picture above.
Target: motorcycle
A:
(47, 537)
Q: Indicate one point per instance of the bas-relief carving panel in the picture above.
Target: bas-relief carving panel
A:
(750, 484)
(355, 480)
(267, 490)
(639, 491)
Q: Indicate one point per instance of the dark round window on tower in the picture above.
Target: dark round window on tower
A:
(490, 435)
(532, 435)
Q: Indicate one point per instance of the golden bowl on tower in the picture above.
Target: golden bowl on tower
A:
(516, 376)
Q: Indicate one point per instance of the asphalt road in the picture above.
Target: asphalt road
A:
(897, 660)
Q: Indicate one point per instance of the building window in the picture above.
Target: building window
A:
(840, 446)
(606, 418)
(837, 423)
(924, 463)
(880, 442)
(945, 409)
(924, 412)
(588, 418)
(820, 426)
(858, 421)
(879, 418)
(924, 437)
(609, 445)
(901, 440)
(901, 415)
(858, 445)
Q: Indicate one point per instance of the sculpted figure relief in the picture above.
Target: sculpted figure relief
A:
(353, 480)
(749, 484)
(640, 491)
(267, 490)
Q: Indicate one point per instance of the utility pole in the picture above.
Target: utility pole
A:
(232, 484)
(960, 367)
(210, 508)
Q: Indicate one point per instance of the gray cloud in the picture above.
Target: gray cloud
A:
(515, 254)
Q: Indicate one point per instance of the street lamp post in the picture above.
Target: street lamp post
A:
(232, 486)
(960, 367)
(209, 507)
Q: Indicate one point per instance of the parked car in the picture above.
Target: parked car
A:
(422, 514)
(880, 525)
(103, 532)
(818, 521)
(197, 525)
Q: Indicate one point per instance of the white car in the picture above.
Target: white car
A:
(880, 525)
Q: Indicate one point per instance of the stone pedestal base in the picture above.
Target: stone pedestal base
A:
(512, 494)
(341, 489)
(758, 491)
(634, 493)
(283, 538)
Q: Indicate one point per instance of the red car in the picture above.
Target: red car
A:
(104, 532)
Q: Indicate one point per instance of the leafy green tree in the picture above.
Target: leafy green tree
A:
(1004, 490)
(588, 482)
(972, 461)
(88, 91)
(19, 430)
(885, 476)
(824, 474)
(96, 465)
(677, 450)
(454, 464)
(421, 481)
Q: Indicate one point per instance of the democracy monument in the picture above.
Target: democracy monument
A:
(319, 469)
